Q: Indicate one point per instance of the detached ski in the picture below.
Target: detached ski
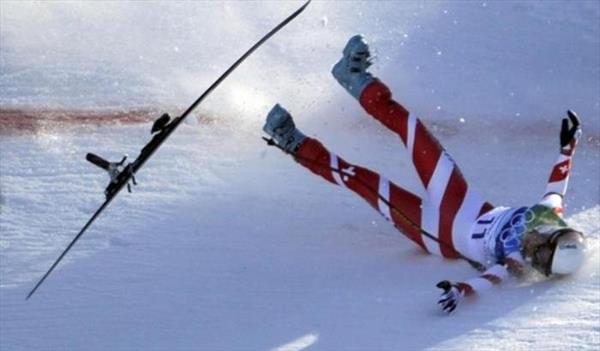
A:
(122, 175)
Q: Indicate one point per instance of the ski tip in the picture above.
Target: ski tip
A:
(305, 5)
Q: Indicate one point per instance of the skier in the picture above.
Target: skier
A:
(452, 220)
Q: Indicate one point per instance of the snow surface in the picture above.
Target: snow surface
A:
(227, 244)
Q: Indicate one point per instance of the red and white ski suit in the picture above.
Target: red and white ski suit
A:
(451, 208)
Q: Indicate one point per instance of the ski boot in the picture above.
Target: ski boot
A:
(280, 126)
(351, 69)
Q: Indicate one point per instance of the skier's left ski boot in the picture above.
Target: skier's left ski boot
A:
(280, 126)
(351, 69)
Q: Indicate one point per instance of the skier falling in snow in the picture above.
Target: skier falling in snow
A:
(459, 223)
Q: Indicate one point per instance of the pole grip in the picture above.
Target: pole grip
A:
(98, 161)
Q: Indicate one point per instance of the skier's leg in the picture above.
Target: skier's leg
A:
(451, 203)
(396, 204)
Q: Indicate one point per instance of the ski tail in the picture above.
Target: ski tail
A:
(85, 227)
(98, 161)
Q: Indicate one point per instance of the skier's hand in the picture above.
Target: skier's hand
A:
(449, 299)
(569, 135)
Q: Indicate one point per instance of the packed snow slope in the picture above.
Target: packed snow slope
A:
(227, 244)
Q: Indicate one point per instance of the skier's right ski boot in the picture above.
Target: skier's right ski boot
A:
(351, 69)
(280, 126)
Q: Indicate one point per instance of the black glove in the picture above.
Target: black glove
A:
(568, 135)
(449, 299)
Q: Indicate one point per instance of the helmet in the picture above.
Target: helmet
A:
(568, 252)
(562, 253)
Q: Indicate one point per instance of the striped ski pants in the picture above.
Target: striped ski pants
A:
(450, 206)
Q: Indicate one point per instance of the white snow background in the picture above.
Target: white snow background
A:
(227, 244)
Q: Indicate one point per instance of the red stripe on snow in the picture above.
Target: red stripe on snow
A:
(28, 120)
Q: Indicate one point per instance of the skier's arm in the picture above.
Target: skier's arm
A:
(559, 177)
(494, 275)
